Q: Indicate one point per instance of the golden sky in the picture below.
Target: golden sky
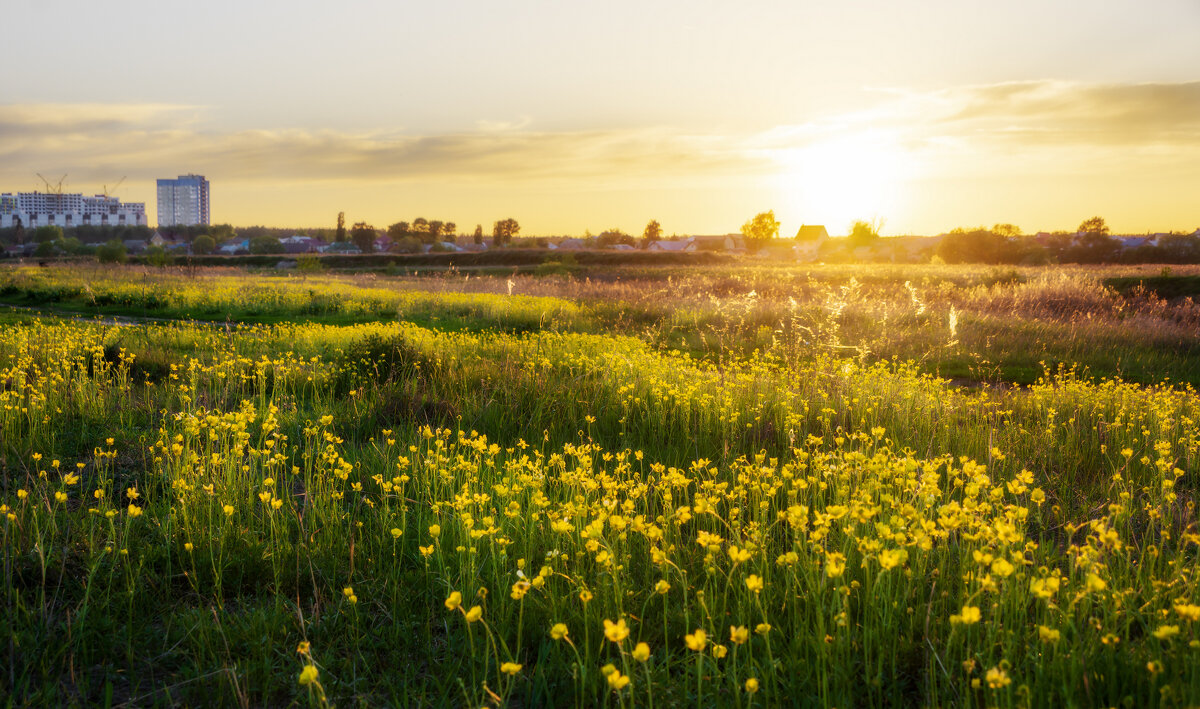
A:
(578, 116)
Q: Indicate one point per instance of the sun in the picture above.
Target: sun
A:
(838, 180)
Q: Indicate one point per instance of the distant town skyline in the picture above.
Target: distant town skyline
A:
(572, 118)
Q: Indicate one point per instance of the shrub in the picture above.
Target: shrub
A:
(204, 244)
(158, 256)
(111, 252)
(265, 245)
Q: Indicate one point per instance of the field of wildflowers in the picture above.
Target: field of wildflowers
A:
(520, 492)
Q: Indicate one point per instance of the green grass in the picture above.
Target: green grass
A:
(619, 443)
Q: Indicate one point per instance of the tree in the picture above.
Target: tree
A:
(265, 245)
(203, 244)
(478, 234)
(1010, 231)
(407, 245)
(614, 236)
(399, 230)
(111, 252)
(222, 232)
(652, 232)
(1094, 225)
(760, 230)
(363, 235)
(341, 227)
(47, 234)
(435, 229)
(977, 245)
(864, 233)
(158, 256)
(450, 229)
(72, 246)
(504, 230)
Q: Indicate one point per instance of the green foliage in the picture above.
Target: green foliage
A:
(309, 263)
(255, 501)
(614, 236)
(760, 230)
(1094, 226)
(407, 245)
(864, 233)
(652, 232)
(157, 256)
(112, 251)
(978, 245)
(73, 246)
(204, 244)
(363, 236)
(399, 230)
(47, 234)
(504, 230)
(266, 245)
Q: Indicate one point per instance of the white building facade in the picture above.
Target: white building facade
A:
(35, 209)
(183, 201)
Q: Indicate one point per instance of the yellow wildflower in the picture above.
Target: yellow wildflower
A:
(616, 632)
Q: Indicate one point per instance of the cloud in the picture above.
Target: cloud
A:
(1055, 112)
(145, 140)
(1014, 126)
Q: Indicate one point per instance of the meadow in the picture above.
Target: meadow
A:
(744, 486)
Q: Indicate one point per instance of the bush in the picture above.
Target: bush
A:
(975, 246)
(157, 256)
(407, 245)
(47, 234)
(309, 263)
(265, 245)
(203, 244)
(111, 252)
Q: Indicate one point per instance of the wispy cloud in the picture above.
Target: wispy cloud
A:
(1070, 113)
(146, 140)
(1061, 122)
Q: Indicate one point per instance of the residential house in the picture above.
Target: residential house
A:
(812, 232)
(719, 242)
(300, 244)
(1133, 242)
(231, 248)
(467, 243)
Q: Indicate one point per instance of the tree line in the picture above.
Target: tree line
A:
(1091, 243)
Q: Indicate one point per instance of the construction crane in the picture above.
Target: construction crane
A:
(108, 192)
(53, 188)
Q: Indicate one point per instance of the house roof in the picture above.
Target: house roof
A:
(681, 245)
(812, 232)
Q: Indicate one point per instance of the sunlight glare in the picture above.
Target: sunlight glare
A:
(836, 181)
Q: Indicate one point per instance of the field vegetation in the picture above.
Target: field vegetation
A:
(733, 487)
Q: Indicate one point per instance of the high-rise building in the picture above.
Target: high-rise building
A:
(183, 201)
(34, 209)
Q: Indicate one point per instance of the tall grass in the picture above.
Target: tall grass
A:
(395, 513)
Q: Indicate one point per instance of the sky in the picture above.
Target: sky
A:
(574, 116)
